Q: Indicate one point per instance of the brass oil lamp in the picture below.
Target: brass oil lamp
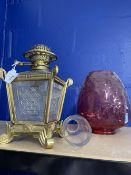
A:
(36, 98)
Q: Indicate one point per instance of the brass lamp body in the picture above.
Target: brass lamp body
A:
(47, 123)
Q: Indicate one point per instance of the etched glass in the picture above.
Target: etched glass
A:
(55, 102)
(30, 100)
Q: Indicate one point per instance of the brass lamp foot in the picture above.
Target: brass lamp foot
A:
(44, 141)
(5, 138)
(49, 143)
(42, 133)
(59, 129)
(8, 137)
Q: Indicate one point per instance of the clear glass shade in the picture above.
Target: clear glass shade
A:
(76, 130)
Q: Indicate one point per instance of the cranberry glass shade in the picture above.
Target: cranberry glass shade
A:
(103, 102)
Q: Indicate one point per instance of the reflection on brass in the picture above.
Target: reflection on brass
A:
(28, 92)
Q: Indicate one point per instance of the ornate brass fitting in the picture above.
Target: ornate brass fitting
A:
(40, 56)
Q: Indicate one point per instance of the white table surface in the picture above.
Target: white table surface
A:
(115, 147)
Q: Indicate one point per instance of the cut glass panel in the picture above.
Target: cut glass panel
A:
(55, 102)
(30, 100)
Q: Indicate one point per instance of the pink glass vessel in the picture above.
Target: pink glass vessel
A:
(103, 102)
